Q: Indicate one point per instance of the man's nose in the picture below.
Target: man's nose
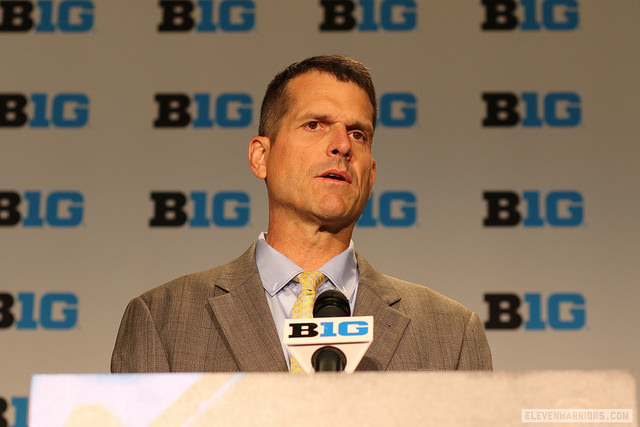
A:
(340, 143)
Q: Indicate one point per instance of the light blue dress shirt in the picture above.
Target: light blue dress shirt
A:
(277, 273)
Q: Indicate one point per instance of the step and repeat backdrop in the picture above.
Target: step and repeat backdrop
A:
(507, 153)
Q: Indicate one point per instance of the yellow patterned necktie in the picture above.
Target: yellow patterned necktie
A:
(303, 307)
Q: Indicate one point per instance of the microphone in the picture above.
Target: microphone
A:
(332, 340)
(331, 303)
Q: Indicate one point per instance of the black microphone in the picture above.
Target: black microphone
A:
(330, 303)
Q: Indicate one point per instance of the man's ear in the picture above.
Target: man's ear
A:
(258, 155)
(372, 177)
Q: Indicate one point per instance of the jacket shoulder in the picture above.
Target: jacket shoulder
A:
(199, 282)
(395, 291)
(204, 284)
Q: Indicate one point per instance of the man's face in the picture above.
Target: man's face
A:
(319, 169)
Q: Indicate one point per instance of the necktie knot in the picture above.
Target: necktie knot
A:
(309, 282)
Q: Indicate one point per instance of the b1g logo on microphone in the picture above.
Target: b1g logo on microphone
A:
(207, 16)
(43, 111)
(530, 15)
(35, 209)
(564, 311)
(27, 311)
(331, 329)
(555, 109)
(369, 15)
(227, 110)
(352, 336)
(393, 209)
(562, 209)
(44, 16)
(223, 209)
(20, 407)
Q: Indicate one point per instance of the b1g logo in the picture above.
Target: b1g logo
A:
(369, 15)
(226, 16)
(40, 110)
(394, 209)
(33, 209)
(235, 110)
(227, 110)
(20, 406)
(58, 311)
(555, 109)
(345, 328)
(562, 209)
(226, 209)
(398, 110)
(535, 15)
(564, 311)
(70, 16)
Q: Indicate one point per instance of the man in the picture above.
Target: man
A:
(314, 153)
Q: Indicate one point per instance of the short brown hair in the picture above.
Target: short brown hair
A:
(276, 100)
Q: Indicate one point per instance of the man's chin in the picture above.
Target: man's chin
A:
(336, 221)
(336, 213)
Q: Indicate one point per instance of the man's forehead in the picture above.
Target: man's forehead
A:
(307, 77)
(298, 93)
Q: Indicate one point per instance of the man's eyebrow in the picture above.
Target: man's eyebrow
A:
(328, 118)
(317, 116)
(363, 126)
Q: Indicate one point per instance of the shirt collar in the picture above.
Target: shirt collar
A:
(276, 270)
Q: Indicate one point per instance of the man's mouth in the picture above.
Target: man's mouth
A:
(341, 176)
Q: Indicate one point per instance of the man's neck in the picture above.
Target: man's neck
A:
(309, 247)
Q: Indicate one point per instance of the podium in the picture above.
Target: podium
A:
(360, 399)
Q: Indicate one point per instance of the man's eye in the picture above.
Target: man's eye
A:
(313, 125)
(359, 135)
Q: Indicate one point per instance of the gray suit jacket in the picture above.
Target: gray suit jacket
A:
(219, 320)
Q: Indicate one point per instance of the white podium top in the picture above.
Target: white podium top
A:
(371, 399)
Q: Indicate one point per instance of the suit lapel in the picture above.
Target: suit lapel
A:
(244, 317)
(375, 298)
